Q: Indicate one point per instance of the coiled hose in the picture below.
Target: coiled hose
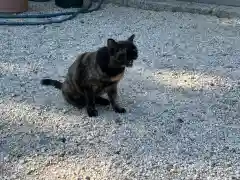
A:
(71, 14)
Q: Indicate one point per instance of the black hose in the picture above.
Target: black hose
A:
(72, 14)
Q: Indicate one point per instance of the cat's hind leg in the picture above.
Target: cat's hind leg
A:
(78, 102)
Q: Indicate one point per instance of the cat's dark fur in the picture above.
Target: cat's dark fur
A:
(95, 73)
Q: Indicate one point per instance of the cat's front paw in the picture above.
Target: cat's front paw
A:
(119, 110)
(92, 112)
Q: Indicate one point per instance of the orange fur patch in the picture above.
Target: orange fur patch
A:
(118, 77)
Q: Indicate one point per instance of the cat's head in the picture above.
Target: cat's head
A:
(122, 53)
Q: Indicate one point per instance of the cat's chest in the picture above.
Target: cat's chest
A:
(107, 82)
(117, 77)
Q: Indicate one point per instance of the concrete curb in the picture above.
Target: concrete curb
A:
(220, 11)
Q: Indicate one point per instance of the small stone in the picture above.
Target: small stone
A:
(87, 178)
(19, 99)
(233, 150)
(30, 171)
(165, 55)
(22, 161)
(229, 66)
(6, 158)
(128, 157)
(228, 164)
(225, 148)
(62, 139)
(62, 154)
(43, 141)
(117, 152)
(118, 121)
(180, 120)
(65, 111)
(174, 170)
(194, 26)
(169, 167)
(43, 150)
(48, 163)
(19, 155)
(213, 164)
(211, 84)
(14, 95)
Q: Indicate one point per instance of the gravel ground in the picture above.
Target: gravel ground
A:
(182, 98)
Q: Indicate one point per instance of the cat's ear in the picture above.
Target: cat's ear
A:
(111, 43)
(112, 46)
(131, 37)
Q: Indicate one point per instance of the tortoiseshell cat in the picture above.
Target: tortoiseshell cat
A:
(95, 73)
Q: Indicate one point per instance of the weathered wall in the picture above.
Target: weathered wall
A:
(218, 2)
(213, 2)
(211, 7)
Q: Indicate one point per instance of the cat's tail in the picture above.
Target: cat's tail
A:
(51, 82)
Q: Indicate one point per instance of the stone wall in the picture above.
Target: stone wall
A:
(211, 2)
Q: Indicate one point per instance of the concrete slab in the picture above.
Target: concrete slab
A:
(218, 2)
(221, 11)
